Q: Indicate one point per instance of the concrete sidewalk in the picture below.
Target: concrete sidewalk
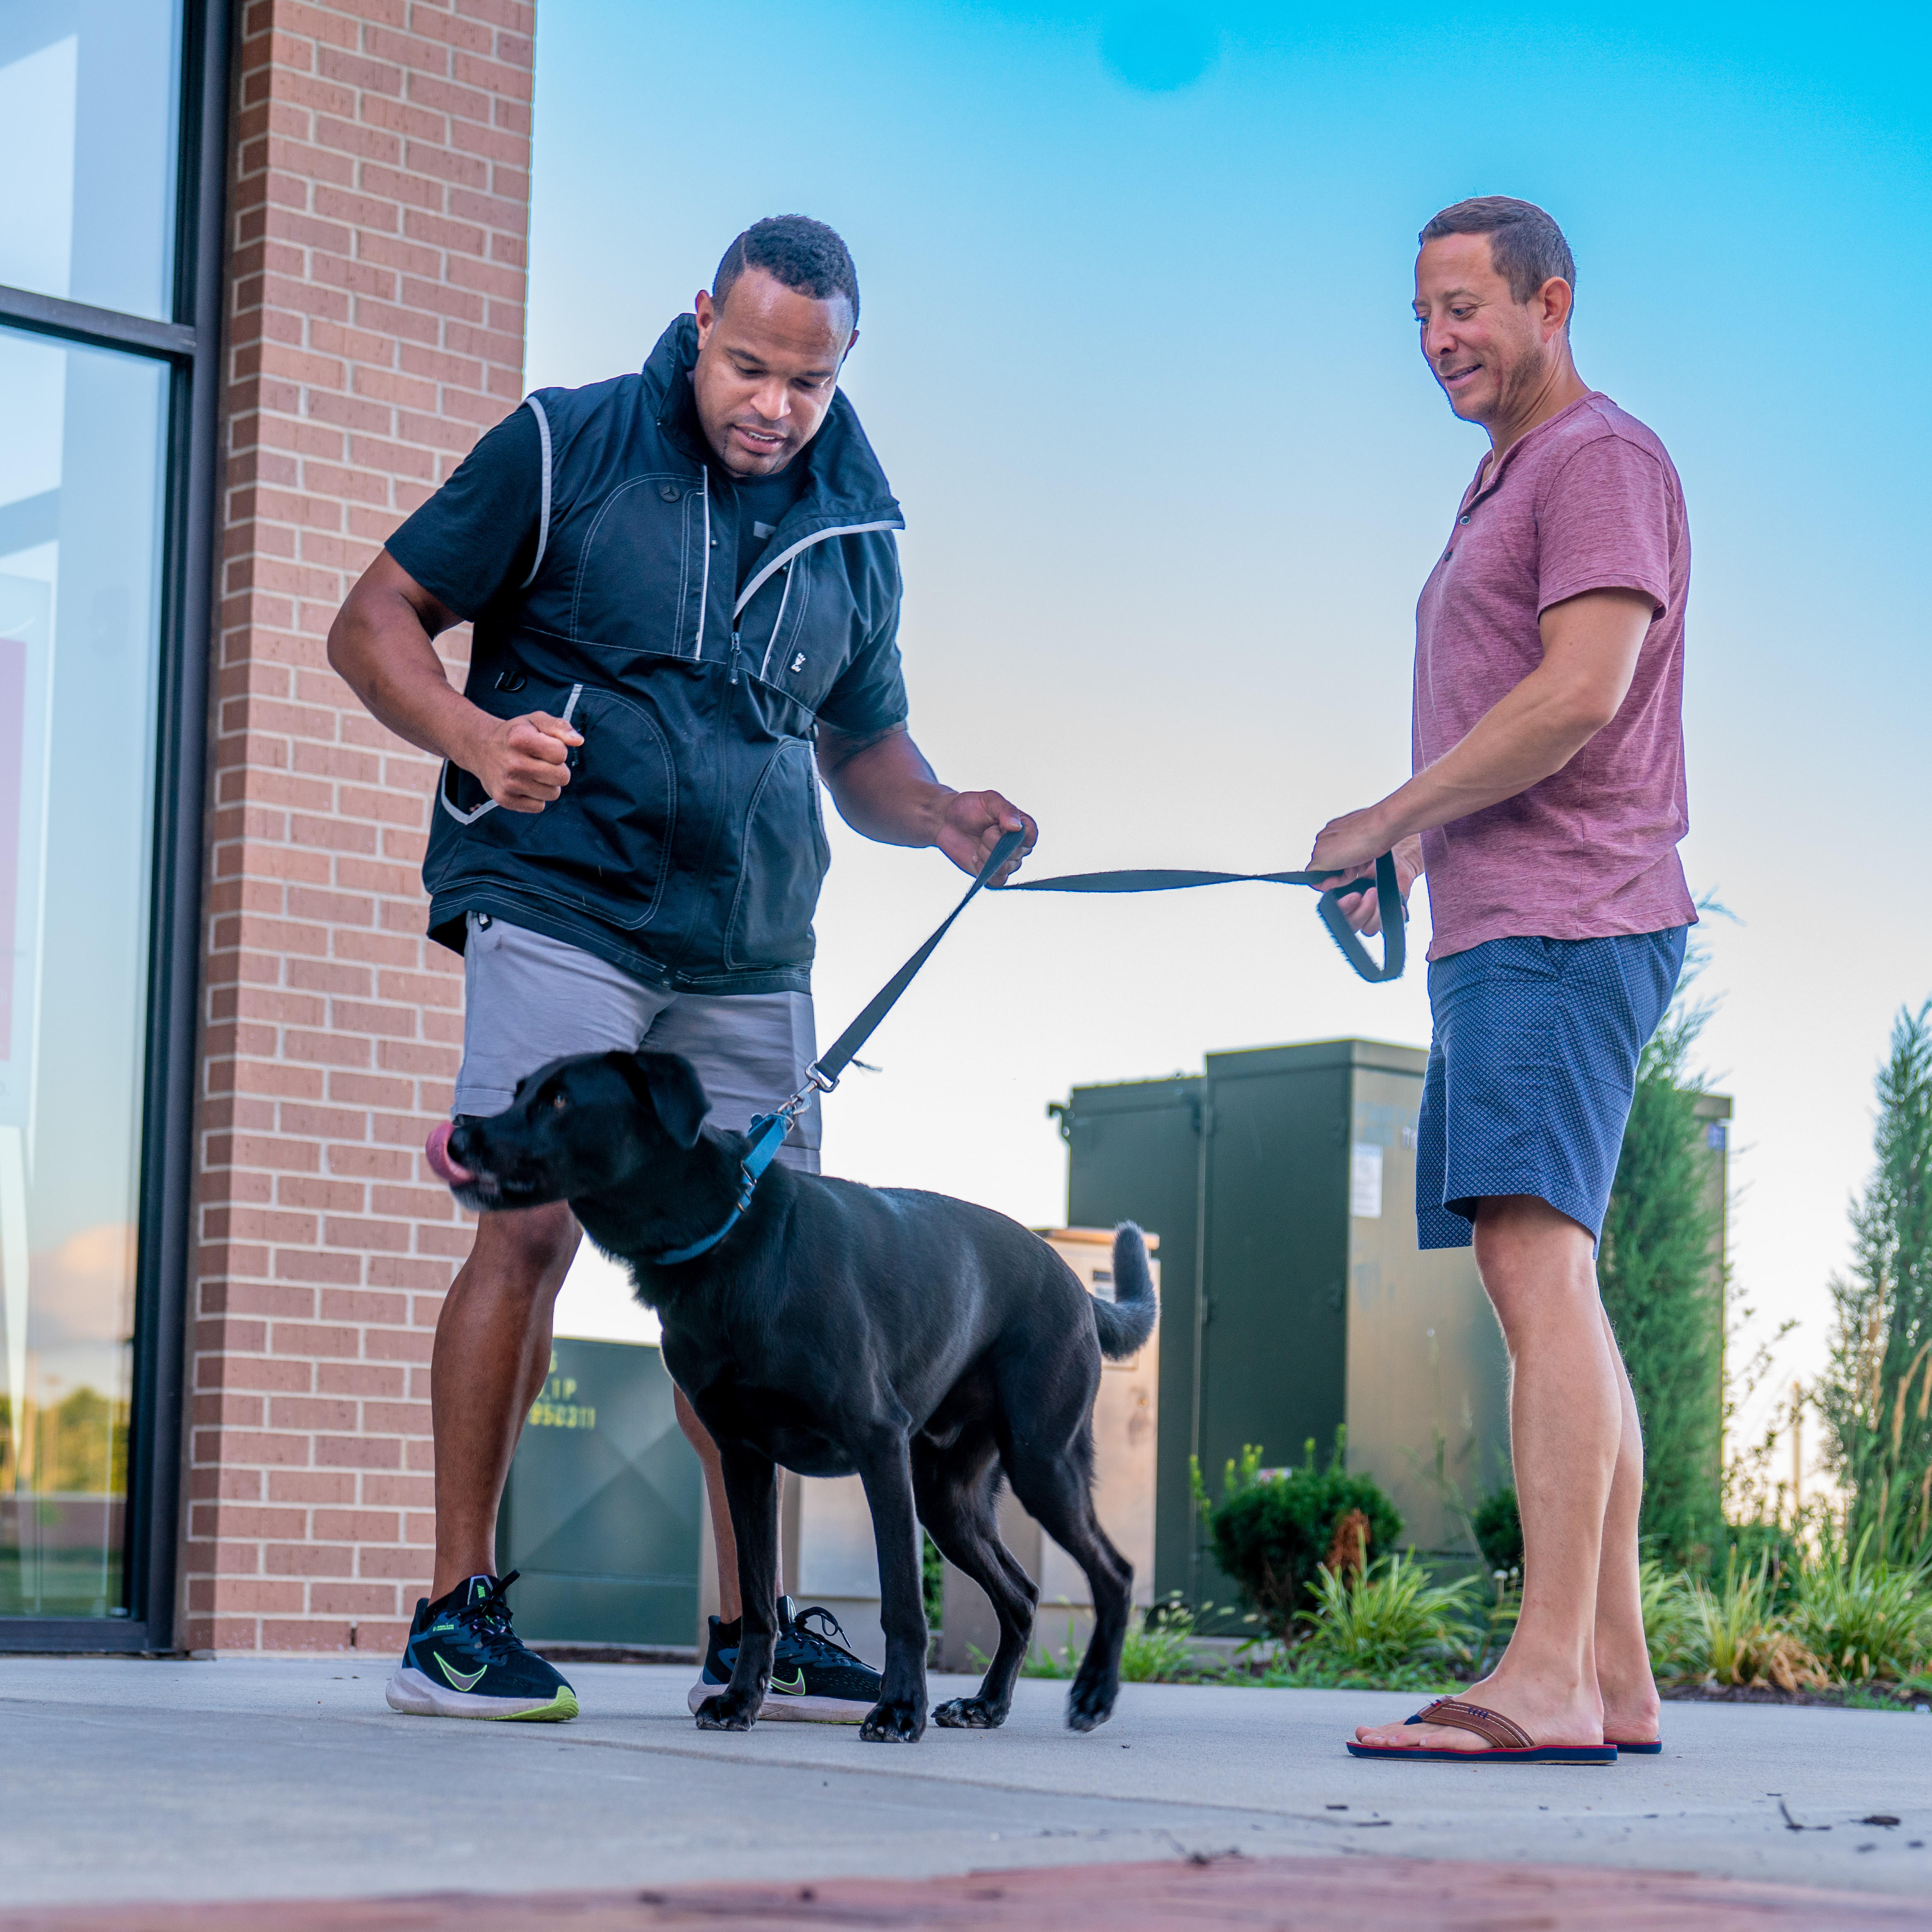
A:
(123, 1780)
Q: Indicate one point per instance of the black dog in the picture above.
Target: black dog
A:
(926, 1344)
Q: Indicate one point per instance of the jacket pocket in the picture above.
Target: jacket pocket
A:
(782, 859)
(603, 847)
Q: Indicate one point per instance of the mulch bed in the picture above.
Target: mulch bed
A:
(1838, 1696)
(1282, 1894)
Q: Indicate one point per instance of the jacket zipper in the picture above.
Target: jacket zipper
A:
(704, 585)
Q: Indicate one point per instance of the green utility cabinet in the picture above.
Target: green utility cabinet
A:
(1295, 1300)
(601, 1512)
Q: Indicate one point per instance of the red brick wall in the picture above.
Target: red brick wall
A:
(378, 214)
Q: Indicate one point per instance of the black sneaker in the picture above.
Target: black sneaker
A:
(462, 1659)
(814, 1681)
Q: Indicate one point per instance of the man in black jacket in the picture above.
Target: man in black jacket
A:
(685, 590)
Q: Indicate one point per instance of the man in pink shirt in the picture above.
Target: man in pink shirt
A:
(1546, 808)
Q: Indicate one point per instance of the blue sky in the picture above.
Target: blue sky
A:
(1136, 353)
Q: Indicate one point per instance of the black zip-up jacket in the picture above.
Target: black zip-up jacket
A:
(687, 848)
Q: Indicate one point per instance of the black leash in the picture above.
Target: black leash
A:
(767, 1132)
(824, 1072)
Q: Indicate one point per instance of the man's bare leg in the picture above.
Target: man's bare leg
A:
(1566, 1435)
(492, 1353)
(1624, 1676)
(731, 1604)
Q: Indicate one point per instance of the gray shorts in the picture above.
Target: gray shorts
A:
(528, 999)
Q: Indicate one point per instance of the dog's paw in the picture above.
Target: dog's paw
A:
(970, 1714)
(893, 1721)
(725, 1713)
(1089, 1705)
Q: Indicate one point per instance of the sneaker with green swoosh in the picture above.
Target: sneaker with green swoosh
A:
(462, 1659)
(814, 1680)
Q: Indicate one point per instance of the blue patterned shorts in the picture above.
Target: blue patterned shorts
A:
(1531, 1071)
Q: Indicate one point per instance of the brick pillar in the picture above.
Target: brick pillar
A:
(379, 209)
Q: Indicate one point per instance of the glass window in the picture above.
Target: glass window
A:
(81, 472)
(88, 148)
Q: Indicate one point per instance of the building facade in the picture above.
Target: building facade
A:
(261, 290)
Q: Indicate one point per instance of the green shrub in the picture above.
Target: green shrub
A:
(1864, 1618)
(1271, 1534)
(1388, 1617)
(1736, 1636)
(1498, 1529)
(1772, 1546)
(932, 1580)
(1157, 1650)
(1671, 1625)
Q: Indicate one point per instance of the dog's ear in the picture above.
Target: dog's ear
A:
(667, 1085)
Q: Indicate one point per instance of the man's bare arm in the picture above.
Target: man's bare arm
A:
(1590, 649)
(885, 790)
(382, 644)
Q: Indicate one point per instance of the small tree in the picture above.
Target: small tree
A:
(1663, 1286)
(1876, 1395)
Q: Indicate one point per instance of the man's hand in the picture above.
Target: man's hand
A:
(520, 761)
(1351, 844)
(885, 790)
(974, 822)
(1591, 644)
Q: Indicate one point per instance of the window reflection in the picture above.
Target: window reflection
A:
(88, 138)
(81, 471)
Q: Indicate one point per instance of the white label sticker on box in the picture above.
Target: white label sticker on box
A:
(1365, 1181)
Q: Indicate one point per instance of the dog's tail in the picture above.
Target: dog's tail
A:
(1128, 1320)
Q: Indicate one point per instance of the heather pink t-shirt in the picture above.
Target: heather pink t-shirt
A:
(1588, 501)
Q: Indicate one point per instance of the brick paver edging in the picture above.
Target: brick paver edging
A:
(1284, 1894)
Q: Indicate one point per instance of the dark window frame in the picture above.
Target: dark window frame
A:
(191, 345)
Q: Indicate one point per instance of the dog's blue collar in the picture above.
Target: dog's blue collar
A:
(765, 1135)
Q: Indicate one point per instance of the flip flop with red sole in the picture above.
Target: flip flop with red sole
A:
(1624, 1748)
(1508, 1742)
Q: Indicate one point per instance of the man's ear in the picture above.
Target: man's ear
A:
(667, 1086)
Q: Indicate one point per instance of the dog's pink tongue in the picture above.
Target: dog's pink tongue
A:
(445, 1169)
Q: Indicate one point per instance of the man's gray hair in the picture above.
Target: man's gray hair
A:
(1526, 246)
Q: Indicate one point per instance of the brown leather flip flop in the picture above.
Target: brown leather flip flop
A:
(1508, 1742)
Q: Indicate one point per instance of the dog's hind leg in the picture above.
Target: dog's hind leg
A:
(751, 1488)
(885, 1468)
(954, 1490)
(1054, 1491)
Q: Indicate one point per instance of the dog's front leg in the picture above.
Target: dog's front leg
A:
(899, 1716)
(752, 1489)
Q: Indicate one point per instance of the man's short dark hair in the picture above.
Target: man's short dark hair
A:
(1526, 246)
(805, 255)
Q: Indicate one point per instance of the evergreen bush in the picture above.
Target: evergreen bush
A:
(1663, 1290)
(1270, 1533)
(1498, 1529)
(1876, 1395)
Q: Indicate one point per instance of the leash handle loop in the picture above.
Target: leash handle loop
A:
(1394, 915)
